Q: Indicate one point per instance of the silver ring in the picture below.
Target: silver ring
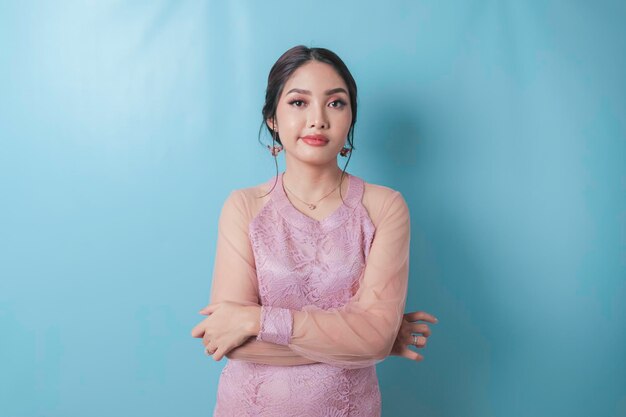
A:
(415, 339)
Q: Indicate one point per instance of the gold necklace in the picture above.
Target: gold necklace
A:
(311, 206)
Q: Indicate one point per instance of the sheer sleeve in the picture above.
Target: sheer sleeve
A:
(234, 271)
(362, 332)
(234, 279)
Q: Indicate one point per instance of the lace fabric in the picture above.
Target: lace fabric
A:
(314, 390)
(332, 294)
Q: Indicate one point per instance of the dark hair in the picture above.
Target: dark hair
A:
(283, 68)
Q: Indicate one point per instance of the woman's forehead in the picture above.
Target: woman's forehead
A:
(316, 77)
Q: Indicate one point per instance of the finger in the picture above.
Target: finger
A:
(420, 315)
(197, 331)
(411, 341)
(421, 328)
(421, 342)
(209, 309)
(210, 349)
(409, 354)
(218, 355)
(224, 351)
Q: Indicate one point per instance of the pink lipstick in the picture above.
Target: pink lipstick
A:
(315, 140)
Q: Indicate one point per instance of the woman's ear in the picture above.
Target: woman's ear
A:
(271, 124)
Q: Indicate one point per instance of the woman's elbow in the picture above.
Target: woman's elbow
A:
(384, 349)
(379, 347)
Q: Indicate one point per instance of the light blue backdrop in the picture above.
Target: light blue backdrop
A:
(125, 124)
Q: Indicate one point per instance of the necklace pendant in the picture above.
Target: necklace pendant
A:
(312, 206)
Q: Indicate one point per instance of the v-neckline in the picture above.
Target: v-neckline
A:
(295, 216)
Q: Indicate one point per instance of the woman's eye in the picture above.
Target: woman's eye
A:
(337, 103)
(297, 103)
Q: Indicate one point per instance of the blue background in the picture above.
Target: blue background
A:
(125, 124)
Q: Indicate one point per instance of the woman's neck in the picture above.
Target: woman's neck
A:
(311, 183)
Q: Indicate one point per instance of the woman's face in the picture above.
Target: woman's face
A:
(314, 102)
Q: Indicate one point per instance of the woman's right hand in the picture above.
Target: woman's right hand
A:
(405, 335)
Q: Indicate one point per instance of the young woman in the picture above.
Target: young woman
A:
(311, 270)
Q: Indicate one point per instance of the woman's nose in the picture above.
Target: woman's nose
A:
(317, 118)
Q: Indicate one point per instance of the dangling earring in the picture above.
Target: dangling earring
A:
(345, 151)
(274, 150)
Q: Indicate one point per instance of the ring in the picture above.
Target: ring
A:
(415, 339)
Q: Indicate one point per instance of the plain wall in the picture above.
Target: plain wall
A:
(125, 124)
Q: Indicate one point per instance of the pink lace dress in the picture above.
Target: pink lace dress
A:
(332, 294)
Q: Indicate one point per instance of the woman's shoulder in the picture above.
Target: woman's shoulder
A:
(381, 201)
(256, 191)
(378, 190)
(252, 198)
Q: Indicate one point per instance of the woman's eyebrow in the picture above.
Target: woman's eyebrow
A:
(328, 92)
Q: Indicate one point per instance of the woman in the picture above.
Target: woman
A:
(311, 270)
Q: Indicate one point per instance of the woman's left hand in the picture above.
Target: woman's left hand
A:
(229, 325)
(405, 336)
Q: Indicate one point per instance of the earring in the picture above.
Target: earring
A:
(345, 151)
(274, 150)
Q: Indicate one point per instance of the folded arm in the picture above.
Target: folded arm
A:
(234, 279)
(359, 334)
(362, 332)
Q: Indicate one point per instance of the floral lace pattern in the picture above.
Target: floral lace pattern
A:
(250, 389)
(303, 263)
(275, 326)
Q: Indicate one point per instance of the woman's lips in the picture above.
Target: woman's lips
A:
(315, 140)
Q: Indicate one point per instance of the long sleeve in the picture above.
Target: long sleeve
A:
(234, 279)
(362, 332)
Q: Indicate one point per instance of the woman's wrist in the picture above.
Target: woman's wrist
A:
(253, 319)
